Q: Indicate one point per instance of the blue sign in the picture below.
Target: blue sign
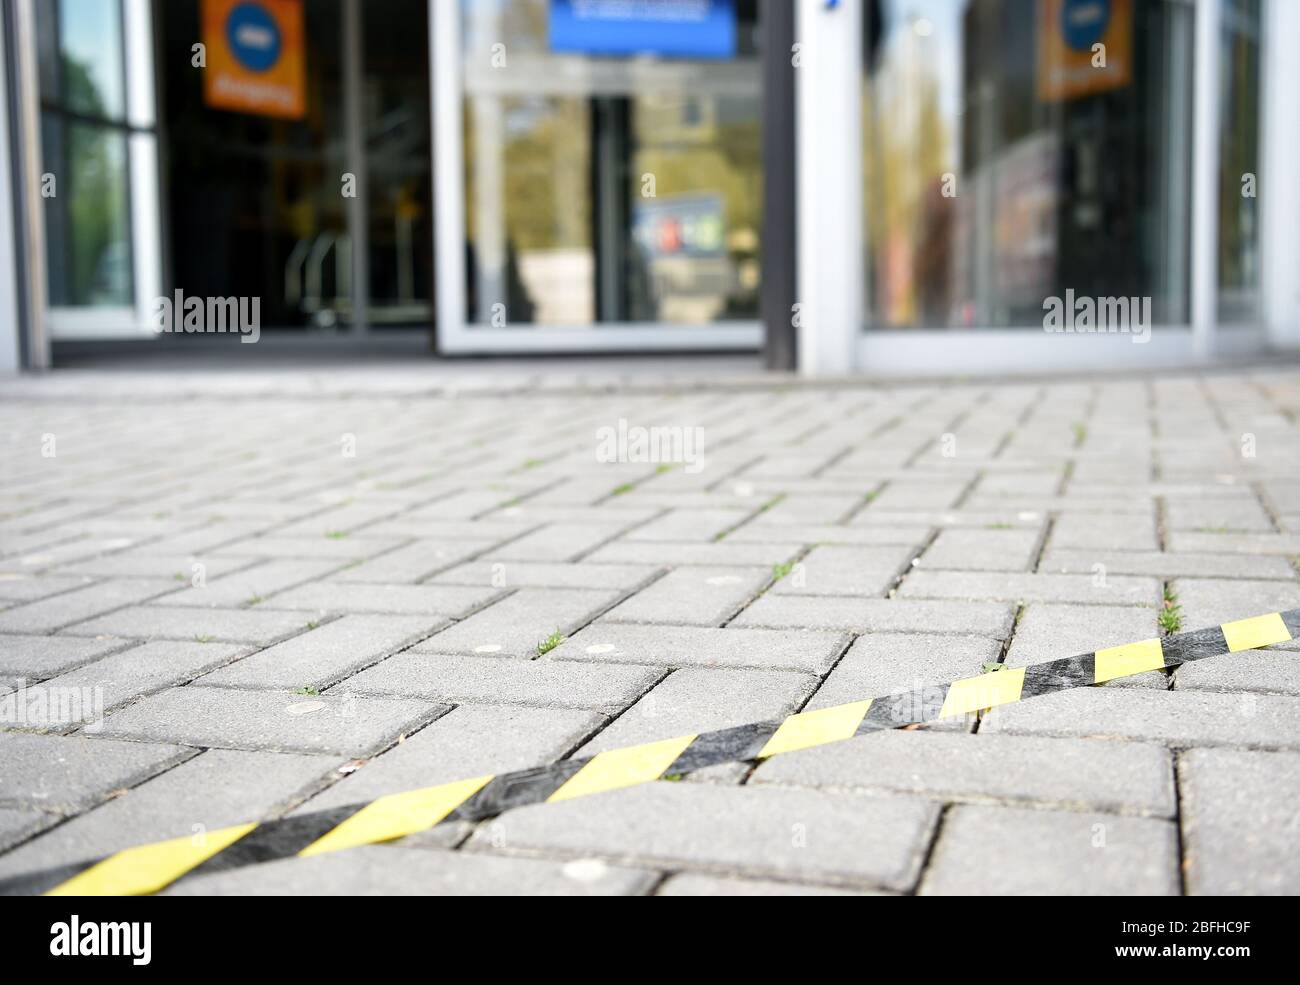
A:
(674, 28)
(1084, 22)
(254, 36)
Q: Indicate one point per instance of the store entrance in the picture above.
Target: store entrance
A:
(304, 182)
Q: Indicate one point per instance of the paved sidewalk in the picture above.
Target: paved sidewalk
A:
(287, 603)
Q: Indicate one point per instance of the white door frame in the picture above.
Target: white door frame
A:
(455, 335)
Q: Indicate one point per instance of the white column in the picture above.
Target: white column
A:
(142, 150)
(1279, 194)
(449, 206)
(1205, 178)
(828, 103)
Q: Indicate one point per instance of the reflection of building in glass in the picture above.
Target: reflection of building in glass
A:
(1069, 167)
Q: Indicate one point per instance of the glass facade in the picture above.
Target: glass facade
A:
(594, 171)
(1017, 149)
(84, 153)
(601, 188)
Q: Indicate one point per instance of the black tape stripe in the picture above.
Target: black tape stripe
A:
(1196, 645)
(518, 789)
(275, 840)
(728, 745)
(915, 707)
(1059, 675)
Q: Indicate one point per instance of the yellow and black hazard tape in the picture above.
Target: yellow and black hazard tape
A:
(150, 868)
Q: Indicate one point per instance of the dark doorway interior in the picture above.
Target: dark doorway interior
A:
(255, 205)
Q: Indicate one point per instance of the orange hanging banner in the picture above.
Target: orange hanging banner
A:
(255, 57)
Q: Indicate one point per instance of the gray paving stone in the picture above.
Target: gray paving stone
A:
(1117, 590)
(1216, 515)
(700, 596)
(888, 663)
(1165, 565)
(1241, 822)
(700, 646)
(149, 622)
(762, 832)
(540, 574)
(146, 564)
(426, 600)
(559, 542)
(691, 525)
(415, 562)
(903, 535)
(249, 584)
(1235, 543)
(928, 494)
(386, 870)
(879, 615)
(337, 549)
(38, 657)
(1177, 718)
(982, 550)
(797, 509)
(53, 613)
(457, 678)
(213, 790)
(984, 850)
(17, 825)
(516, 625)
(64, 774)
(16, 588)
(842, 570)
(469, 741)
(1074, 774)
(694, 884)
(653, 552)
(1263, 671)
(699, 700)
(326, 655)
(132, 673)
(1047, 631)
(1089, 532)
(270, 720)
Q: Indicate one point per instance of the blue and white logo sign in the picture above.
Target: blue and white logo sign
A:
(1084, 22)
(254, 36)
(672, 28)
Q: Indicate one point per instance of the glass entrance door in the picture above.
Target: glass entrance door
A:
(600, 175)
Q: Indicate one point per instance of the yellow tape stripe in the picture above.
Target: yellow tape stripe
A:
(397, 815)
(1131, 658)
(149, 868)
(815, 728)
(1248, 634)
(974, 693)
(623, 768)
